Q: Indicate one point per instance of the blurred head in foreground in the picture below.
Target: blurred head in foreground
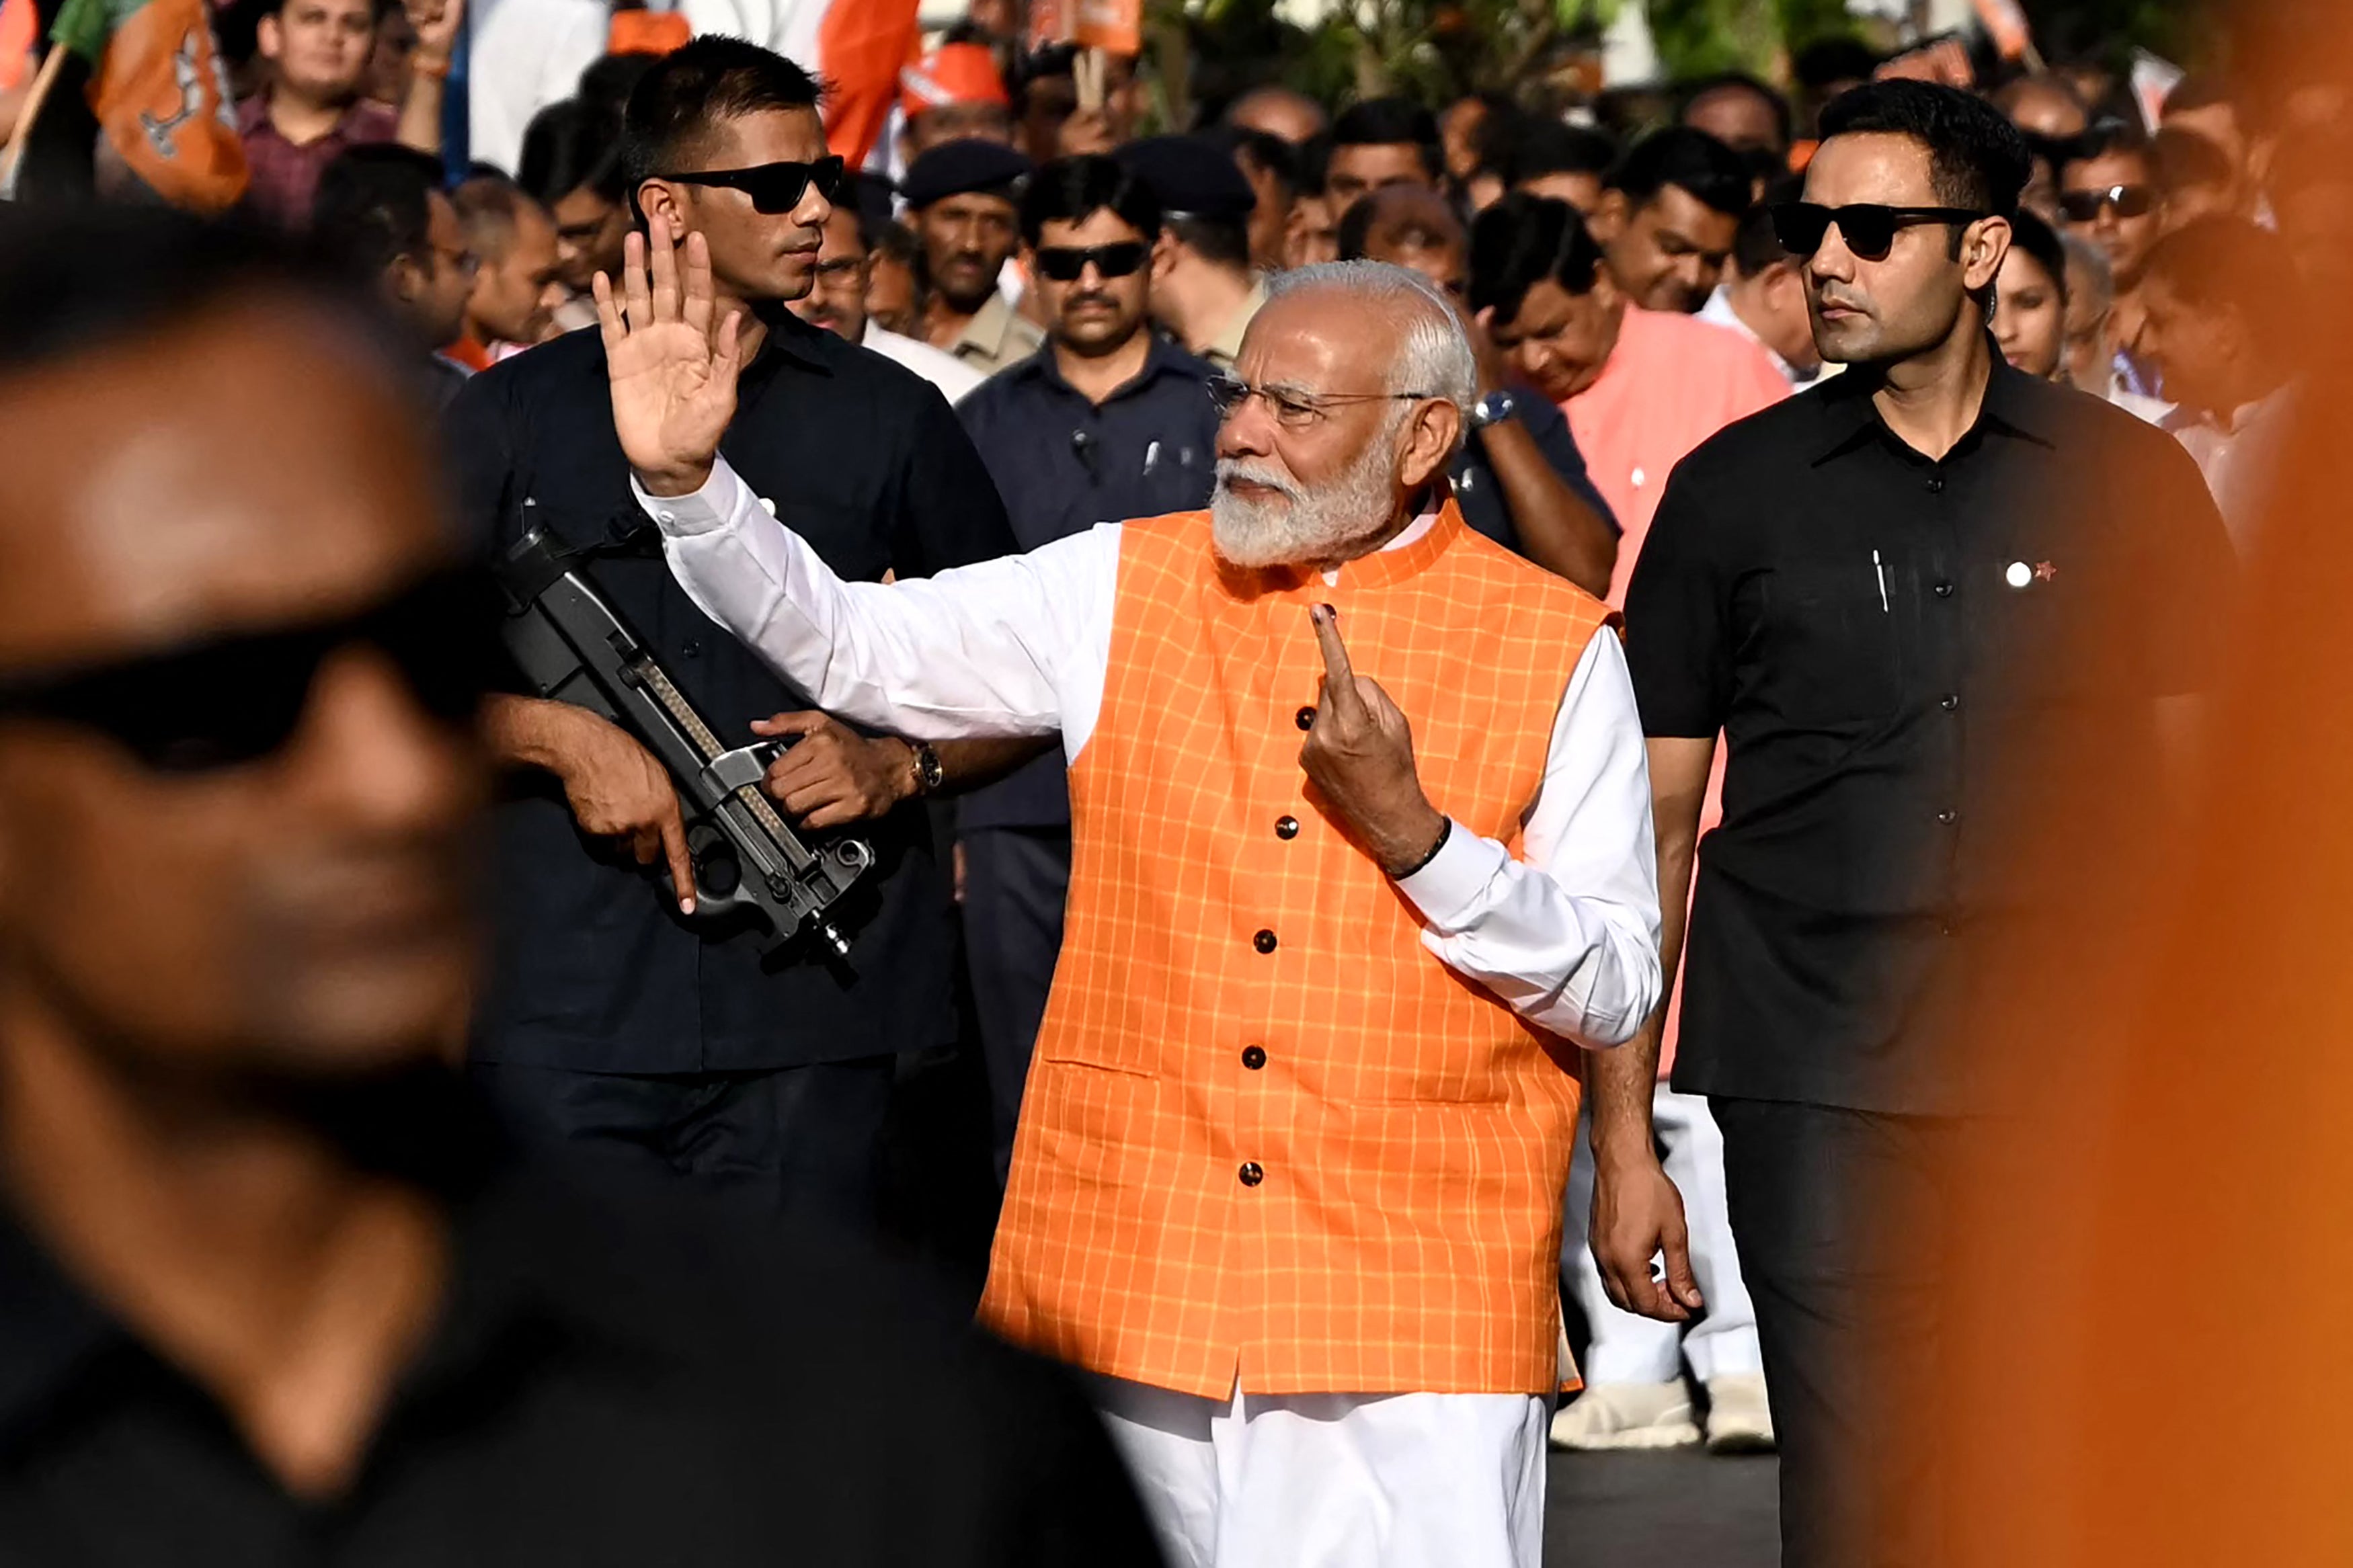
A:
(236, 776)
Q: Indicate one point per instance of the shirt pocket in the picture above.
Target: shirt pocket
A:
(1832, 640)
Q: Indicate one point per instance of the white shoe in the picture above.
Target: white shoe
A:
(1739, 1421)
(1627, 1416)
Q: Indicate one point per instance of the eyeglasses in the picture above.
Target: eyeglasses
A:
(1293, 408)
(778, 187)
(2130, 201)
(1868, 229)
(1064, 263)
(235, 700)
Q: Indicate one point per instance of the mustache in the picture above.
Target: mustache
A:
(1232, 469)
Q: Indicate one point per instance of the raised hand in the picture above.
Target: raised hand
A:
(1359, 754)
(673, 377)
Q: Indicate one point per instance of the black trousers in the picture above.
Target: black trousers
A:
(801, 1139)
(1016, 880)
(1839, 1219)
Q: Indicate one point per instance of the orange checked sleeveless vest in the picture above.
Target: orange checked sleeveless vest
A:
(1266, 1133)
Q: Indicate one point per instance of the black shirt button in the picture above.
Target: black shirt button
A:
(1253, 1056)
(1943, 589)
(1307, 718)
(1286, 828)
(1252, 1173)
(1264, 941)
(1949, 701)
(1948, 817)
(1936, 484)
(692, 648)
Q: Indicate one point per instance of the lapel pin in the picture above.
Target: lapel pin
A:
(2019, 574)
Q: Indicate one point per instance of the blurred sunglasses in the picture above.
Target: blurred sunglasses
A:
(1064, 263)
(239, 699)
(778, 187)
(2130, 201)
(1868, 229)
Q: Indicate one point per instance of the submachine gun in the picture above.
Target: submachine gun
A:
(575, 647)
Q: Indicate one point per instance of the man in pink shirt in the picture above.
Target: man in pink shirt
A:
(1641, 388)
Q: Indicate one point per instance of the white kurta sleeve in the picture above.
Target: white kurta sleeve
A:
(1016, 646)
(1567, 935)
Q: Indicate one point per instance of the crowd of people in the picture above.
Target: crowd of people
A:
(1429, 689)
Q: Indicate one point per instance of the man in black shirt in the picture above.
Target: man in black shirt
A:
(1873, 591)
(268, 1292)
(1105, 422)
(611, 1014)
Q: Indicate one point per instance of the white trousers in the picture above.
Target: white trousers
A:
(1336, 1480)
(1628, 1347)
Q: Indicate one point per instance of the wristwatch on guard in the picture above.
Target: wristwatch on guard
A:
(929, 774)
(1493, 408)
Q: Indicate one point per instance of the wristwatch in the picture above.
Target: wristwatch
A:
(1493, 408)
(929, 774)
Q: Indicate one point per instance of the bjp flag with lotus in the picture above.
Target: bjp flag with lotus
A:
(161, 94)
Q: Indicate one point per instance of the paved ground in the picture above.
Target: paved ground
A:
(1676, 1509)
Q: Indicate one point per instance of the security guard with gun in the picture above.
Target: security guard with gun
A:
(618, 1013)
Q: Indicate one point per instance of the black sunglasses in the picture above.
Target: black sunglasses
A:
(1868, 229)
(1064, 263)
(2130, 201)
(238, 699)
(776, 187)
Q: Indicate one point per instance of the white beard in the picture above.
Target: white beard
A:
(1299, 527)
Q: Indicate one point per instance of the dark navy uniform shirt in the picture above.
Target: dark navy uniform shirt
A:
(1481, 495)
(593, 967)
(1064, 464)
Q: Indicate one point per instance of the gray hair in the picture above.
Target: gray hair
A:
(1435, 359)
(2082, 253)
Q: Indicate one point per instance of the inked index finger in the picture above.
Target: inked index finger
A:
(1340, 680)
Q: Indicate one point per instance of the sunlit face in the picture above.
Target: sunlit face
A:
(430, 288)
(1314, 235)
(2087, 354)
(2029, 317)
(1560, 341)
(837, 301)
(320, 48)
(1094, 313)
(968, 239)
(754, 256)
(1871, 310)
(589, 233)
(894, 295)
(1458, 135)
(1323, 488)
(1667, 253)
(516, 292)
(2124, 241)
(2197, 352)
(1738, 117)
(1362, 167)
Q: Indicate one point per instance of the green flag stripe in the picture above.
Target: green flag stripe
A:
(85, 25)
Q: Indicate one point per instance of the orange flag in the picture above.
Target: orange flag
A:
(161, 95)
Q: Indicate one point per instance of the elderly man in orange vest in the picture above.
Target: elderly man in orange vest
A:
(1287, 1174)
